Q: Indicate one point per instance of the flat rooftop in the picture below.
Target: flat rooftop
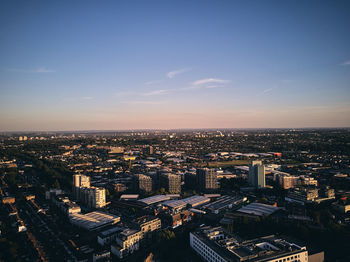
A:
(154, 199)
(93, 220)
(258, 209)
(175, 203)
(233, 248)
(196, 200)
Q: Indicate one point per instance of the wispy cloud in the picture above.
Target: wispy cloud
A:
(346, 63)
(140, 102)
(267, 90)
(125, 93)
(210, 81)
(153, 82)
(45, 70)
(157, 92)
(77, 99)
(37, 70)
(140, 93)
(172, 74)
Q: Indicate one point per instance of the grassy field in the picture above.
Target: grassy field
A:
(228, 163)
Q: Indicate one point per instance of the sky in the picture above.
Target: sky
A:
(116, 65)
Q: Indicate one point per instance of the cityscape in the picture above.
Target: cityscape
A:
(156, 131)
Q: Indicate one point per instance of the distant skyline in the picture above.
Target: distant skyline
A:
(121, 65)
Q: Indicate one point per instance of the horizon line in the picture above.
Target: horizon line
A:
(167, 129)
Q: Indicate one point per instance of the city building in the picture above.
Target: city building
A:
(214, 244)
(127, 241)
(195, 201)
(258, 209)
(342, 206)
(79, 181)
(143, 183)
(287, 181)
(154, 199)
(206, 179)
(256, 175)
(223, 203)
(93, 197)
(147, 224)
(171, 183)
(148, 150)
(302, 195)
(94, 220)
(175, 206)
(108, 236)
(190, 180)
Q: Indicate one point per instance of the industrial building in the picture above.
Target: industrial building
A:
(217, 245)
(154, 199)
(94, 220)
(258, 209)
(223, 203)
(195, 201)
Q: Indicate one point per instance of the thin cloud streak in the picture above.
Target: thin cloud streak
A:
(172, 74)
(209, 81)
(38, 70)
(137, 102)
(267, 90)
(153, 82)
(156, 92)
(346, 63)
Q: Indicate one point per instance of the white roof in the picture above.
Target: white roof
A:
(175, 203)
(258, 209)
(196, 200)
(154, 199)
(93, 220)
(129, 196)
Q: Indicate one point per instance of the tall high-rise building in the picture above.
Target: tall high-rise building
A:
(143, 183)
(80, 181)
(170, 182)
(93, 197)
(256, 175)
(207, 179)
(190, 180)
(148, 150)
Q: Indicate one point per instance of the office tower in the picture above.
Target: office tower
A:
(206, 179)
(148, 150)
(79, 181)
(256, 176)
(190, 180)
(170, 182)
(93, 197)
(143, 183)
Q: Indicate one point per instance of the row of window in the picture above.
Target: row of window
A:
(207, 253)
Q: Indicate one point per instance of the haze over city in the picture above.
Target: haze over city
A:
(174, 64)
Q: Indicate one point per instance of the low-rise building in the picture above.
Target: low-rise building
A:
(127, 241)
(108, 236)
(217, 245)
(94, 220)
(147, 224)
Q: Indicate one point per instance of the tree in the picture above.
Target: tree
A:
(57, 184)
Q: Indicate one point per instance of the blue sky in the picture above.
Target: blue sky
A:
(80, 65)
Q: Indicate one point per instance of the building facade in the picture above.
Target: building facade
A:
(256, 175)
(206, 179)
